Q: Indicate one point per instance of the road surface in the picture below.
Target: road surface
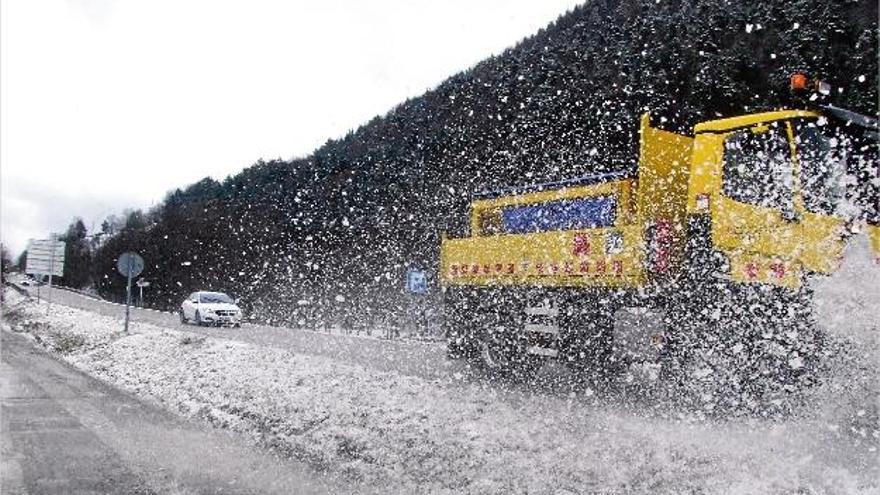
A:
(410, 357)
(67, 433)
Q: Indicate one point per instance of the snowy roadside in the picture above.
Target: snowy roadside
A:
(410, 435)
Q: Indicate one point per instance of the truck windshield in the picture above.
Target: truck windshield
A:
(757, 167)
(822, 153)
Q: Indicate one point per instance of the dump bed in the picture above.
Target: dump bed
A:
(558, 258)
(589, 231)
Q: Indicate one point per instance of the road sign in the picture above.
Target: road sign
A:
(45, 256)
(130, 264)
(416, 281)
(142, 283)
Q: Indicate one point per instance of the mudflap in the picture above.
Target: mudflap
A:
(587, 343)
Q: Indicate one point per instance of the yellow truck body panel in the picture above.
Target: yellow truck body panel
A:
(559, 258)
(679, 177)
(874, 239)
(741, 121)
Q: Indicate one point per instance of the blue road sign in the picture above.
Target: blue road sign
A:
(416, 281)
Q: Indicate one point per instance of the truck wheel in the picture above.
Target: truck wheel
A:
(504, 357)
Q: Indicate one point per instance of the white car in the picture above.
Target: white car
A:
(210, 308)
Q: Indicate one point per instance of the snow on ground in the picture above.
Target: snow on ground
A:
(410, 435)
(847, 305)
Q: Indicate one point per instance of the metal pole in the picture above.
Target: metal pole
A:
(128, 292)
(51, 269)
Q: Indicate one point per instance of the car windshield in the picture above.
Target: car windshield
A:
(215, 297)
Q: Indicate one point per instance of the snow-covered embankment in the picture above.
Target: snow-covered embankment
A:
(411, 435)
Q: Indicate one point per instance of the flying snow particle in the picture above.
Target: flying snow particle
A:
(796, 25)
(702, 373)
(340, 298)
(749, 28)
(862, 78)
(796, 362)
(186, 263)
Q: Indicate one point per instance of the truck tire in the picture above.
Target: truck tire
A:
(503, 355)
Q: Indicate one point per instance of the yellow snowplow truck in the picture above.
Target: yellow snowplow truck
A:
(717, 232)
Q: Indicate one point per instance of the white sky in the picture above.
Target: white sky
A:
(109, 104)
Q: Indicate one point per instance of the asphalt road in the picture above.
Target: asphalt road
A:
(410, 357)
(64, 432)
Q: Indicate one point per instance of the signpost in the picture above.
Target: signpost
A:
(129, 265)
(45, 257)
(141, 283)
(417, 284)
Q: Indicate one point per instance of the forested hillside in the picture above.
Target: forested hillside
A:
(340, 227)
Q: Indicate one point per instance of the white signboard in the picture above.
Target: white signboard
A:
(45, 256)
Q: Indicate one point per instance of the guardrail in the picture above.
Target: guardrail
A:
(429, 332)
(83, 293)
(18, 289)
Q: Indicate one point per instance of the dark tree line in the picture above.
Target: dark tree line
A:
(334, 232)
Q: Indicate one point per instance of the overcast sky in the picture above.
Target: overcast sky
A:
(110, 104)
